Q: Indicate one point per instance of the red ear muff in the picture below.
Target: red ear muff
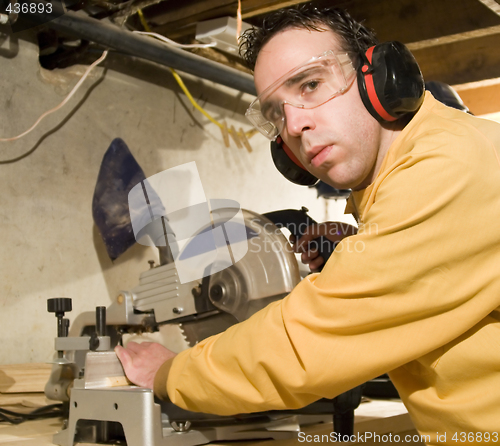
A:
(390, 82)
(289, 165)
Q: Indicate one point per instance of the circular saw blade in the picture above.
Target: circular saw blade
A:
(170, 336)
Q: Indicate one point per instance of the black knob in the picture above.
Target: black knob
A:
(59, 305)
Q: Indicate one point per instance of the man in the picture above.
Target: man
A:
(419, 300)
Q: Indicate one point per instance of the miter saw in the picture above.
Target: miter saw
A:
(250, 264)
(86, 375)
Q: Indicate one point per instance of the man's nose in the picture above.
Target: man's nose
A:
(297, 120)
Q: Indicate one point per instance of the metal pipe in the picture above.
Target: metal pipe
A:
(147, 48)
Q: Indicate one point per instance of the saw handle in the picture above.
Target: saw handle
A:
(296, 221)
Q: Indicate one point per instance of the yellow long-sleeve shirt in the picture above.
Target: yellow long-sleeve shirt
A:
(414, 293)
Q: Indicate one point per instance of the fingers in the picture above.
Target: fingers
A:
(131, 355)
(124, 356)
(308, 256)
(141, 361)
(333, 231)
(137, 347)
(136, 354)
(308, 247)
(302, 244)
(315, 264)
(311, 233)
(313, 259)
(307, 244)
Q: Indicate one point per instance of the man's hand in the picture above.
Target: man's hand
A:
(333, 231)
(142, 361)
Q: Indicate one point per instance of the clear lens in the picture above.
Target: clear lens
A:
(307, 86)
(267, 128)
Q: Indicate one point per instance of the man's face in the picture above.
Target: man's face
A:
(339, 142)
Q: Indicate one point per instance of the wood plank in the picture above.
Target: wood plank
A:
(492, 116)
(30, 433)
(461, 62)
(404, 20)
(416, 20)
(452, 45)
(17, 378)
(445, 40)
(481, 97)
(187, 11)
(257, 7)
(492, 4)
(31, 400)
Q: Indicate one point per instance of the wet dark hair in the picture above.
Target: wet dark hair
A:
(355, 38)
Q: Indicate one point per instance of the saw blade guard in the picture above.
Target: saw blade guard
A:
(267, 272)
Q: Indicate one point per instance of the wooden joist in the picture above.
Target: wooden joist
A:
(481, 97)
(22, 378)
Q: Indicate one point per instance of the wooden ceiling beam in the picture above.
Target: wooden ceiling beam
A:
(252, 8)
(459, 62)
(403, 20)
(481, 97)
(416, 20)
(445, 40)
(453, 45)
(492, 4)
(179, 16)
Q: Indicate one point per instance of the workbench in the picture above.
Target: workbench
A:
(372, 418)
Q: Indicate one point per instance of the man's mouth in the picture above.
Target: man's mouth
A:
(318, 155)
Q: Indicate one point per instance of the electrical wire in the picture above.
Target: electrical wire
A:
(173, 43)
(174, 73)
(66, 99)
(50, 411)
(241, 137)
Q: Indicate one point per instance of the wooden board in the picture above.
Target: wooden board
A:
(29, 400)
(17, 378)
(481, 97)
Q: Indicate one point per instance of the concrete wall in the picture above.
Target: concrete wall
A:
(49, 243)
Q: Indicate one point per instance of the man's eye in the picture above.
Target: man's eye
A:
(310, 86)
(273, 114)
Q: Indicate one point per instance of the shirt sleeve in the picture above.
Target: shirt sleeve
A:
(416, 276)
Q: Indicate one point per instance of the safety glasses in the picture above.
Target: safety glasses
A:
(307, 86)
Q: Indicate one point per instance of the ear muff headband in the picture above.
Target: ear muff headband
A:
(390, 82)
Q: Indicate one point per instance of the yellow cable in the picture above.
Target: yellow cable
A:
(143, 21)
(184, 88)
(195, 104)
